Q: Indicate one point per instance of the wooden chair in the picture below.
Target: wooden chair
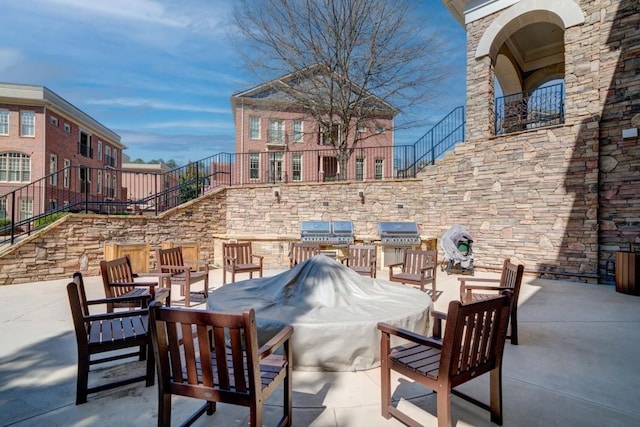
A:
(239, 259)
(473, 344)
(361, 259)
(215, 357)
(300, 251)
(102, 333)
(118, 280)
(418, 267)
(510, 279)
(170, 261)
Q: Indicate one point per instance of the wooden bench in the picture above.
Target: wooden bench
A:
(177, 270)
(238, 258)
(299, 252)
(118, 280)
(108, 332)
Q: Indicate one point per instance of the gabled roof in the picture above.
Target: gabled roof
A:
(282, 90)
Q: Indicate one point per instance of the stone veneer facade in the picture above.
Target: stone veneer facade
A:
(560, 199)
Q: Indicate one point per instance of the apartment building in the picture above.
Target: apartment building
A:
(41, 134)
(277, 140)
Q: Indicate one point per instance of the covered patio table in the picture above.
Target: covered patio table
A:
(334, 312)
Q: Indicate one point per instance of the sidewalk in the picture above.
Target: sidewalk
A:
(576, 365)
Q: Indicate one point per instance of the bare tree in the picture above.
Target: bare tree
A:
(353, 60)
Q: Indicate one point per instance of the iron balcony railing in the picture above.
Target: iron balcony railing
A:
(538, 108)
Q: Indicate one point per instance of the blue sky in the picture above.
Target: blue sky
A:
(160, 73)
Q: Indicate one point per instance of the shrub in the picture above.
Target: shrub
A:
(48, 219)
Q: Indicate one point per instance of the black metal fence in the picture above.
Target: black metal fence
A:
(529, 110)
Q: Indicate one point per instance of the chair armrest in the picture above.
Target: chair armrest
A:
(140, 298)
(438, 317)
(129, 284)
(154, 274)
(116, 315)
(274, 343)
(478, 280)
(395, 265)
(175, 267)
(408, 335)
(260, 257)
(487, 288)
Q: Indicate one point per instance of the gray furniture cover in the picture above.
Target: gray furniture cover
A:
(334, 312)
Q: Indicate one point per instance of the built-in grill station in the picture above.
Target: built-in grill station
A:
(327, 233)
(395, 237)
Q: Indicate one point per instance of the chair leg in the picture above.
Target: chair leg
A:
(150, 366)
(82, 381)
(385, 377)
(255, 415)
(514, 326)
(224, 276)
(444, 408)
(495, 405)
(164, 409)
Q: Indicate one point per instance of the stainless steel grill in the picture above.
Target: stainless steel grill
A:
(399, 234)
(327, 233)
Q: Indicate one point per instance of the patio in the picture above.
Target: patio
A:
(576, 365)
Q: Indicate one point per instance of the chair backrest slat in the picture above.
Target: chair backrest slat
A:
(474, 337)
(116, 271)
(170, 257)
(300, 252)
(241, 251)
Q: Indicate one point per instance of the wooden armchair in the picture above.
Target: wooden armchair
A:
(418, 267)
(170, 262)
(361, 259)
(239, 259)
(215, 357)
(102, 333)
(473, 344)
(510, 279)
(118, 280)
(299, 252)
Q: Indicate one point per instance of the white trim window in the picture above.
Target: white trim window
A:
(276, 131)
(254, 165)
(360, 169)
(99, 150)
(297, 131)
(99, 183)
(65, 174)
(4, 122)
(254, 127)
(296, 167)
(379, 168)
(15, 167)
(26, 208)
(27, 123)
(53, 168)
(53, 120)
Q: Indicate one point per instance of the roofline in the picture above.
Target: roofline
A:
(41, 95)
(244, 94)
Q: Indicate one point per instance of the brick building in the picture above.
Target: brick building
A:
(279, 141)
(40, 134)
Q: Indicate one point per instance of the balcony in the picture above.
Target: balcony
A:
(539, 108)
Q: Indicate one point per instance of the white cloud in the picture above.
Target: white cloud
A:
(156, 105)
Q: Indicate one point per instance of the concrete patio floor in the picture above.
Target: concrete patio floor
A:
(577, 365)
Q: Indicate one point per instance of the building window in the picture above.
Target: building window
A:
(53, 120)
(296, 167)
(53, 205)
(85, 179)
(53, 169)
(99, 183)
(84, 144)
(99, 150)
(362, 128)
(3, 207)
(379, 169)
(276, 131)
(15, 167)
(26, 208)
(359, 169)
(330, 138)
(254, 127)
(115, 185)
(27, 123)
(4, 122)
(254, 165)
(66, 127)
(379, 129)
(115, 158)
(297, 131)
(65, 173)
